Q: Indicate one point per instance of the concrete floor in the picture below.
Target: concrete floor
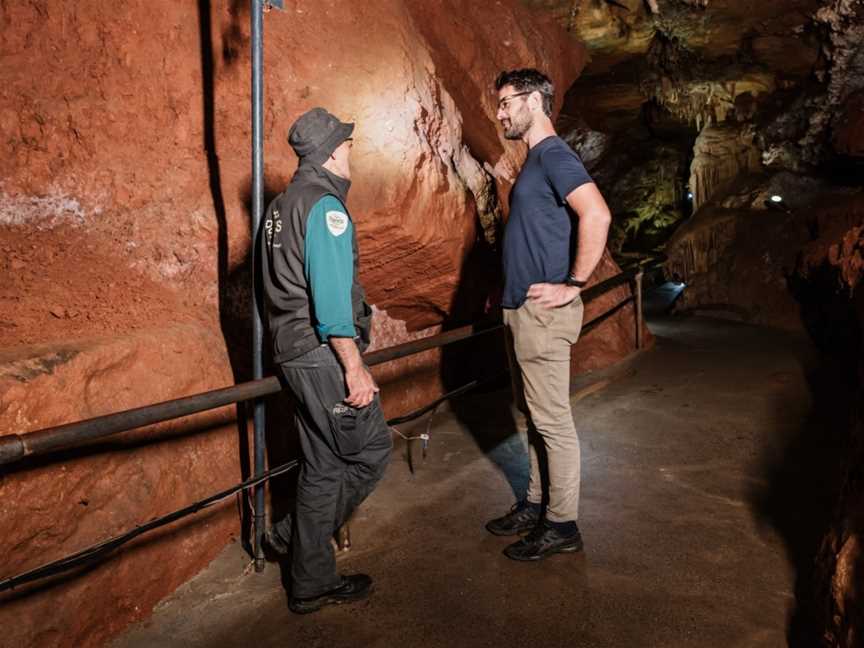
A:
(680, 449)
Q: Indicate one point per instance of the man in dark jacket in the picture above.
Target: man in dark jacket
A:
(319, 325)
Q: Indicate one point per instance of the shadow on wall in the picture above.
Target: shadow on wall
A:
(483, 359)
(282, 439)
(233, 286)
(805, 483)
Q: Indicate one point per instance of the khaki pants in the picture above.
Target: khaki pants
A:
(539, 342)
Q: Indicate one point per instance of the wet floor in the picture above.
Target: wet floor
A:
(681, 448)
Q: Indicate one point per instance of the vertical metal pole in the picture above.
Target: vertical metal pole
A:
(639, 309)
(257, 211)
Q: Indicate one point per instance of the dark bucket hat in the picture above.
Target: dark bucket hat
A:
(316, 134)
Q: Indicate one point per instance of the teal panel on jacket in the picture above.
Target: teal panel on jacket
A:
(329, 267)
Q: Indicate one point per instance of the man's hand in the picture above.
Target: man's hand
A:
(359, 382)
(361, 387)
(549, 295)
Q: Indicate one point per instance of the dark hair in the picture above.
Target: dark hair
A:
(529, 80)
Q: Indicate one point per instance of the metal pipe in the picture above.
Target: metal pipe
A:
(17, 446)
(587, 326)
(639, 309)
(426, 343)
(257, 328)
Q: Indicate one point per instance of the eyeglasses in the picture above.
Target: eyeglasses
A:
(504, 102)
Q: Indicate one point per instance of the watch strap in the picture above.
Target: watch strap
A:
(573, 281)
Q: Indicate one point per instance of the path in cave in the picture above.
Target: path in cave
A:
(687, 451)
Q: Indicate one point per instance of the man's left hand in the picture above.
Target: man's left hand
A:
(550, 295)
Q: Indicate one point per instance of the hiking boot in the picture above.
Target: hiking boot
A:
(524, 516)
(353, 588)
(544, 541)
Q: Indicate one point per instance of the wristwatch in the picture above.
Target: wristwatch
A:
(573, 281)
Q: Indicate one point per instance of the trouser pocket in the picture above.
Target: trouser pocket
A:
(354, 428)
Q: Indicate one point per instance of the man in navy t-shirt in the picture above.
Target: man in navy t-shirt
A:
(546, 264)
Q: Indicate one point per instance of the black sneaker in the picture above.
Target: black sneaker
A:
(524, 516)
(353, 588)
(544, 541)
(277, 537)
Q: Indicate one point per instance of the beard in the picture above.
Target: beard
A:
(517, 125)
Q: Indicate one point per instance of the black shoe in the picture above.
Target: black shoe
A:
(277, 537)
(353, 588)
(524, 516)
(544, 541)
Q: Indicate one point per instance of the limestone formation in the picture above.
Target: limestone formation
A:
(720, 154)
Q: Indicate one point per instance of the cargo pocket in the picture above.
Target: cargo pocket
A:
(353, 427)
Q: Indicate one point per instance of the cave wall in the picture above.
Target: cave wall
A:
(124, 230)
(836, 321)
(738, 253)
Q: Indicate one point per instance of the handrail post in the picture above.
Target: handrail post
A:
(257, 328)
(639, 308)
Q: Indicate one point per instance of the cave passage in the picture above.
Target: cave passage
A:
(689, 514)
(723, 449)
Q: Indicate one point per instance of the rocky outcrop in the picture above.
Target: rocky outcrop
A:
(649, 196)
(55, 507)
(739, 253)
(843, 21)
(720, 154)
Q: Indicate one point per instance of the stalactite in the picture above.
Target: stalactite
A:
(719, 154)
(700, 250)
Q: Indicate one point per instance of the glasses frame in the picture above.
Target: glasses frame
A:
(504, 102)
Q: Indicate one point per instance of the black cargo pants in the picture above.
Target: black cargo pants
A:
(345, 452)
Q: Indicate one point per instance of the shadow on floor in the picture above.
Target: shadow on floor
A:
(484, 359)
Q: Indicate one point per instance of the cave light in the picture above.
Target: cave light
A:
(775, 198)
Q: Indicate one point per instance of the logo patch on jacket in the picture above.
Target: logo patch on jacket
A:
(337, 222)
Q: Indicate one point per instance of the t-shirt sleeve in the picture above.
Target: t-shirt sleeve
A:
(564, 170)
(329, 268)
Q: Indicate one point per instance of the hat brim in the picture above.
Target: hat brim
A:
(341, 133)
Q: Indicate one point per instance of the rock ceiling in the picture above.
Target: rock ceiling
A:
(784, 74)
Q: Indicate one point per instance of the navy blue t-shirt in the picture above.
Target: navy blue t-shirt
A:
(537, 239)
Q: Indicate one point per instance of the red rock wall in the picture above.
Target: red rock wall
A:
(124, 231)
(59, 505)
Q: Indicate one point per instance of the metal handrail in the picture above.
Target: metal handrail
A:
(14, 447)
